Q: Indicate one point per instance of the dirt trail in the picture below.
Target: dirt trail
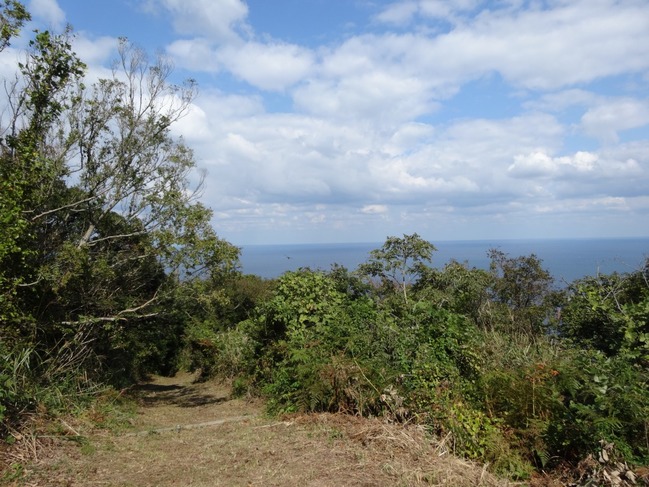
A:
(196, 434)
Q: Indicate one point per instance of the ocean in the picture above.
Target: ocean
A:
(565, 259)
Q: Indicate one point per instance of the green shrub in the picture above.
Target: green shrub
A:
(477, 367)
(560, 402)
(224, 354)
(56, 383)
(610, 313)
(316, 347)
(604, 399)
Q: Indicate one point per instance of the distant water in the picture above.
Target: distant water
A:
(566, 260)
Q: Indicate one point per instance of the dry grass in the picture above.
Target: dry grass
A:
(307, 450)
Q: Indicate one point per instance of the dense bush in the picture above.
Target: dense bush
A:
(484, 359)
(610, 313)
(55, 383)
(318, 348)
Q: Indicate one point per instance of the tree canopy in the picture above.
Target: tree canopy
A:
(99, 201)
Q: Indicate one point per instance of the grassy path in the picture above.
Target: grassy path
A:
(188, 434)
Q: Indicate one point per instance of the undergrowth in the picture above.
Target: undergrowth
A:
(448, 356)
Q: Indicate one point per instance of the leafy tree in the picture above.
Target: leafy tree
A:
(523, 288)
(457, 288)
(399, 262)
(31, 178)
(610, 313)
(13, 15)
(105, 221)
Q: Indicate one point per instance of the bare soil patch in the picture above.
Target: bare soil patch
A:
(196, 434)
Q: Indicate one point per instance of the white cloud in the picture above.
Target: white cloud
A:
(550, 182)
(374, 209)
(270, 158)
(398, 13)
(441, 8)
(384, 131)
(540, 164)
(401, 13)
(561, 100)
(95, 52)
(206, 18)
(572, 42)
(380, 97)
(399, 77)
(605, 120)
(358, 146)
(48, 11)
(194, 54)
(273, 66)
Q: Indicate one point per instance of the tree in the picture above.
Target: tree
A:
(399, 262)
(31, 174)
(457, 288)
(610, 313)
(12, 17)
(105, 219)
(523, 286)
(13, 226)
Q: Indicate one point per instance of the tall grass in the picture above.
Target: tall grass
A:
(50, 381)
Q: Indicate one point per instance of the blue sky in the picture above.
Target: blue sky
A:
(351, 120)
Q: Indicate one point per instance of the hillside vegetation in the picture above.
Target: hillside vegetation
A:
(110, 271)
(515, 373)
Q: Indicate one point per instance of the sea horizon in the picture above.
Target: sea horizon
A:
(566, 259)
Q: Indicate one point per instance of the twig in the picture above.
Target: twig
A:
(360, 369)
(70, 428)
(272, 425)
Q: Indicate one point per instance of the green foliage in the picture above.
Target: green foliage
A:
(211, 309)
(227, 354)
(102, 223)
(560, 402)
(463, 352)
(308, 323)
(521, 293)
(604, 398)
(476, 435)
(12, 17)
(610, 313)
(55, 383)
(51, 67)
(399, 262)
(110, 269)
(316, 347)
(459, 289)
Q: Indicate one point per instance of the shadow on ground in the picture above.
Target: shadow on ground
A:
(186, 396)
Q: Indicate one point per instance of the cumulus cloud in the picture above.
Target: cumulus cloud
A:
(307, 160)
(195, 54)
(370, 77)
(607, 119)
(403, 12)
(205, 18)
(563, 99)
(48, 11)
(377, 128)
(539, 164)
(382, 97)
(550, 48)
(95, 51)
(272, 66)
(398, 13)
